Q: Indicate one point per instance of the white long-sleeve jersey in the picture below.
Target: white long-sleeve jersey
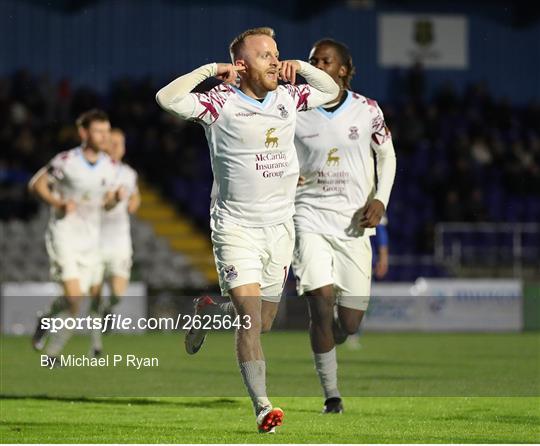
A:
(115, 223)
(251, 143)
(74, 178)
(336, 152)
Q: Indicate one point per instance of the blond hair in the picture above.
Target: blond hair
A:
(238, 42)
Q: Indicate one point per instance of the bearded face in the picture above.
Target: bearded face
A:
(97, 135)
(261, 59)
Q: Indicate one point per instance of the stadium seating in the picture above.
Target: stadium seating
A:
(155, 262)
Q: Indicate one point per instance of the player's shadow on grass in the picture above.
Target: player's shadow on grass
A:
(210, 402)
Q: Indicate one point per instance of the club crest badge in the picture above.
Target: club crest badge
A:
(283, 111)
(353, 133)
(423, 33)
(230, 273)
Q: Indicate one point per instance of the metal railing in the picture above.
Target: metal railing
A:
(514, 246)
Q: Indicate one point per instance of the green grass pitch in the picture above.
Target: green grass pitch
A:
(412, 388)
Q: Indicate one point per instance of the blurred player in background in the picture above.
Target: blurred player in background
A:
(77, 184)
(381, 244)
(115, 237)
(250, 132)
(338, 205)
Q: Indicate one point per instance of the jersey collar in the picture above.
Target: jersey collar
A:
(85, 161)
(249, 99)
(336, 112)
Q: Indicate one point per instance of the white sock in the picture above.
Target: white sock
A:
(227, 308)
(326, 366)
(223, 309)
(58, 340)
(95, 335)
(254, 375)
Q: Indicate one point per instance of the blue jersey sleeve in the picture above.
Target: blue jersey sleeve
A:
(381, 236)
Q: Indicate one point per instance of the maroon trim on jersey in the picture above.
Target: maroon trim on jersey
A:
(213, 100)
(372, 102)
(382, 135)
(300, 93)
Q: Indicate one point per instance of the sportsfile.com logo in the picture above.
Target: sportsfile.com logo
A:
(119, 322)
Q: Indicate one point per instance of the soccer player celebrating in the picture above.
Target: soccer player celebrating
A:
(338, 203)
(77, 184)
(250, 132)
(115, 236)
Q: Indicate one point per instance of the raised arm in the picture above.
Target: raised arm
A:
(323, 87)
(320, 87)
(176, 97)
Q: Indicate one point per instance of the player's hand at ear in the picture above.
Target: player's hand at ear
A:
(372, 215)
(287, 71)
(228, 72)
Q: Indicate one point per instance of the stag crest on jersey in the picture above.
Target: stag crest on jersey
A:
(271, 141)
(332, 160)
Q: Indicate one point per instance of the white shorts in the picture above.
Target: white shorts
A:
(253, 255)
(321, 260)
(116, 261)
(68, 263)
